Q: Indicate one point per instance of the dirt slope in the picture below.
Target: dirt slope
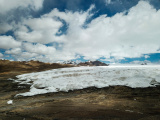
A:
(12, 68)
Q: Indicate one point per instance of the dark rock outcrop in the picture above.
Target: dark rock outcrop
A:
(70, 62)
(144, 64)
(93, 63)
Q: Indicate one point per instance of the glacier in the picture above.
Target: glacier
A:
(65, 79)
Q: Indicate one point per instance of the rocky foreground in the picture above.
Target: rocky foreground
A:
(111, 103)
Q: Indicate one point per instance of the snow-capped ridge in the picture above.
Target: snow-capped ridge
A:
(93, 63)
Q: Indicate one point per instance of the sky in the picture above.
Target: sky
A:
(112, 31)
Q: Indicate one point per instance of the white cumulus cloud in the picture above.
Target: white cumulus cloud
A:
(14, 51)
(7, 5)
(43, 30)
(122, 35)
(7, 42)
(130, 34)
(27, 55)
(39, 49)
(4, 27)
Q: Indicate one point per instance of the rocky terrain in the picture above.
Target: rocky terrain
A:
(110, 103)
(93, 63)
(87, 63)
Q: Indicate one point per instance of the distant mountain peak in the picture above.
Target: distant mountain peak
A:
(93, 63)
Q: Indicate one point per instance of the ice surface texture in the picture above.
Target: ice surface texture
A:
(65, 79)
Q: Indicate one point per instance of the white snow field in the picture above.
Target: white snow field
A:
(65, 79)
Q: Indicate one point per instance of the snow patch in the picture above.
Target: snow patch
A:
(10, 102)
